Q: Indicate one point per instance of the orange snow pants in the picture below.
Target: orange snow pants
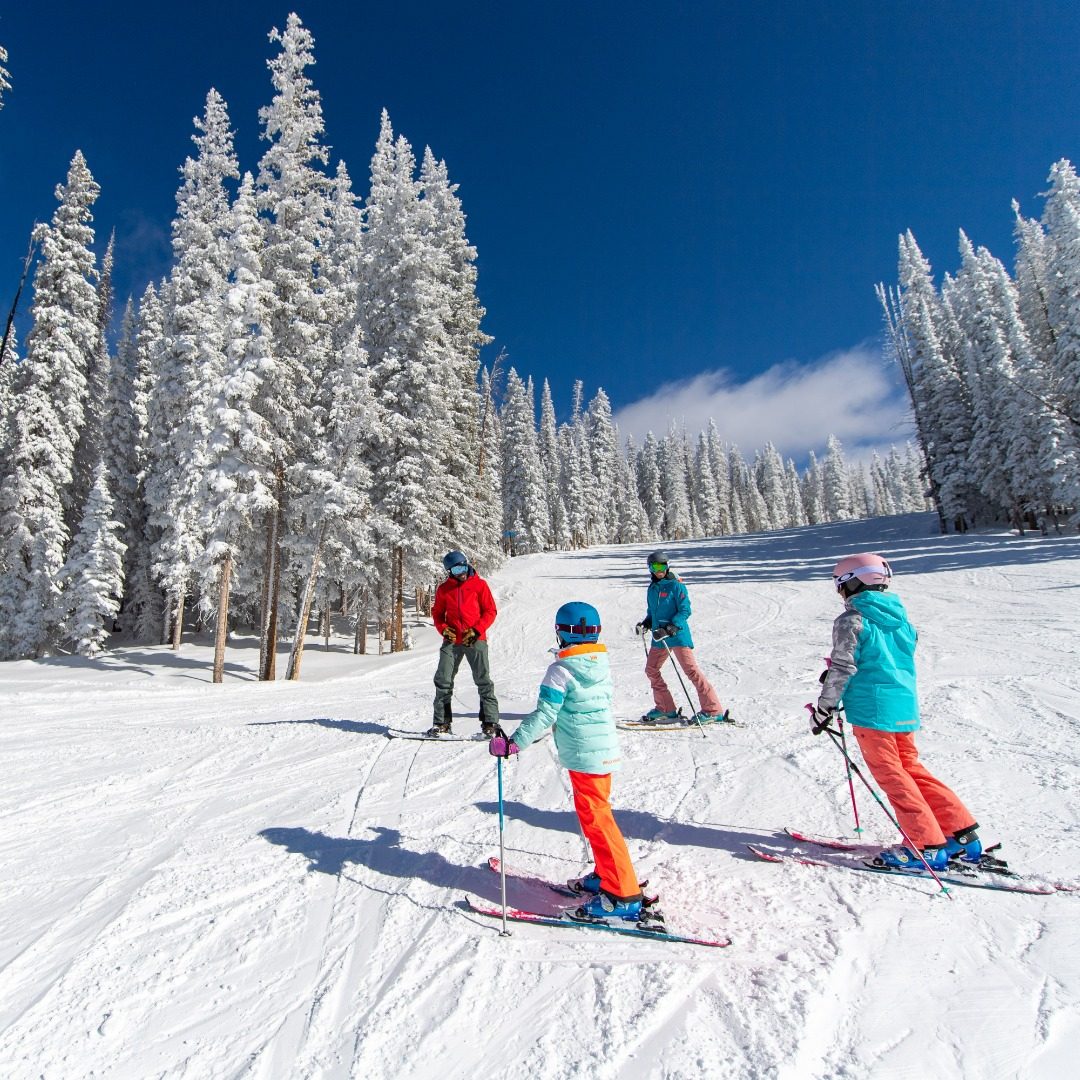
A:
(927, 810)
(591, 794)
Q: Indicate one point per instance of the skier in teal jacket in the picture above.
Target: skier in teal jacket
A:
(668, 619)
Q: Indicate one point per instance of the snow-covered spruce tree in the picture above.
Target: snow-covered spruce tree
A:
(674, 485)
(576, 471)
(796, 509)
(5, 75)
(703, 488)
(462, 521)
(836, 491)
(192, 359)
(91, 581)
(721, 471)
(812, 492)
(928, 344)
(525, 508)
(90, 448)
(489, 477)
(124, 443)
(405, 310)
(883, 503)
(604, 455)
(648, 477)
(772, 482)
(237, 457)
(1033, 283)
(559, 537)
(9, 366)
(35, 490)
(295, 196)
(632, 523)
(1061, 217)
(144, 602)
(340, 519)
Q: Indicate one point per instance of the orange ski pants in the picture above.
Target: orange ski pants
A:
(927, 810)
(591, 795)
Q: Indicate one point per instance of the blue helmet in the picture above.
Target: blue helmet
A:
(454, 558)
(576, 623)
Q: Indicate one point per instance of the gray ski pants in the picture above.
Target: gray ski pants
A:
(450, 657)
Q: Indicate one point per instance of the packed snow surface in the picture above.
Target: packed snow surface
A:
(252, 880)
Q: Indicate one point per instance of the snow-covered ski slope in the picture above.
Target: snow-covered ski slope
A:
(251, 880)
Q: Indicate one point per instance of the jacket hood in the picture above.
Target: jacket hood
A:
(881, 608)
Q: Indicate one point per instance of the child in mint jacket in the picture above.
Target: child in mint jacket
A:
(575, 698)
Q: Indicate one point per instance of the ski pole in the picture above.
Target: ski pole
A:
(847, 760)
(504, 932)
(888, 813)
(850, 782)
(678, 675)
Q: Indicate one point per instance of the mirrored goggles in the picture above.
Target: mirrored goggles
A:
(658, 567)
(459, 569)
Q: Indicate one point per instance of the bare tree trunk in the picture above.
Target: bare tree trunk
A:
(361, 622)
(397, 640)
(272, 584)
(178, 619)
(222, 617)
(326, 620)
(292, 673)
(18, 292)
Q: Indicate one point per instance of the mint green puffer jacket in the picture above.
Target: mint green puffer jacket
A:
(575, 696)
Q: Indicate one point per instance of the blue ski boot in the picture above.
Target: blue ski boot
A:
(965, 845)
(602, 906)
(589, 884)
(658, 716)
(903, 858)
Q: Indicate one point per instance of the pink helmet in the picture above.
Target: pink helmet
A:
(868, 568)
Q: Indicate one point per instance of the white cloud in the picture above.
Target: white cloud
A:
(852, 394)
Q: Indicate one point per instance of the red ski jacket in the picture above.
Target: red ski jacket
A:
(462, 605)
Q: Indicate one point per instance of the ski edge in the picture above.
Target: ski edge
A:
(517, 915)
(910, 875)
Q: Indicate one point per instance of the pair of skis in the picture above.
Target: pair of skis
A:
(989, 873)
(657, 931)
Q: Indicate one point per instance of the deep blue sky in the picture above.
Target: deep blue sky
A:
(656, 190)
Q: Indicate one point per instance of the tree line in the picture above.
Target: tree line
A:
(295, 423)
(992, 364)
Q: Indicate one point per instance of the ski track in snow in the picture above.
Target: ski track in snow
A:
(252, 880)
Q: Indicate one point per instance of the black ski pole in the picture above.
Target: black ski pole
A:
(678, 675)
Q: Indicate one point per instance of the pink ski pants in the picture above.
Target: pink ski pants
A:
(710, 703)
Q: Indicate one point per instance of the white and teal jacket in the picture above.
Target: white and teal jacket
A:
(575, 696)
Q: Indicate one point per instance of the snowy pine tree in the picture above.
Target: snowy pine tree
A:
(91, 581)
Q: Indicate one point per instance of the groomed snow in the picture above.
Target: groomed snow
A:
(251, 880)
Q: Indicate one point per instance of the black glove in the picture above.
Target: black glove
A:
(665, 631)
(451, 635)
(470, 637)
(645, 624)
(821, 717)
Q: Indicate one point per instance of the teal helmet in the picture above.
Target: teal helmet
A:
(577, 623)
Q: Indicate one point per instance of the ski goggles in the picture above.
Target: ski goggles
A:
(459, 569)
(658, 567)
(843, 579)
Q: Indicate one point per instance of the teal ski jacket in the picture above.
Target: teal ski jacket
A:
(669, 602)
(873, 664)
(575, 697)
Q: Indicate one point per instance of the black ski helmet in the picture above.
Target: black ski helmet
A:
(658, 557)
(454, 558)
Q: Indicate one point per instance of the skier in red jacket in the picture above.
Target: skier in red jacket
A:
(464, 609)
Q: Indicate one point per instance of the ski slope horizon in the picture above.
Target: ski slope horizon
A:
(252, 880)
